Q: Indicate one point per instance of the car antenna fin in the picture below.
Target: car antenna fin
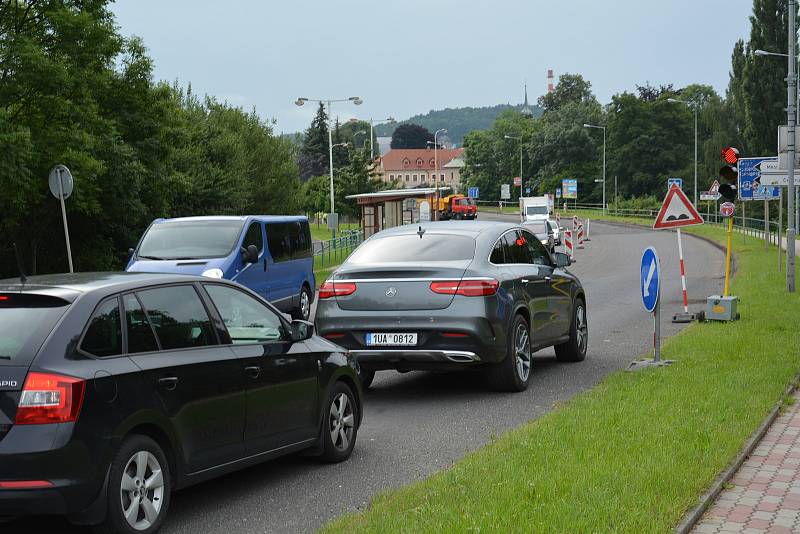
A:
(20, 265)
(421, 232)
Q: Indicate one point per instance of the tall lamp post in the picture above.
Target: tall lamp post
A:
(604, 160)
(360, 132)
(695, 107)
(763, 53)
(372, 123)
(355, 100)
(521, 183)
(436, 166)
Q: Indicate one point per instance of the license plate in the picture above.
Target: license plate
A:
(384, 340)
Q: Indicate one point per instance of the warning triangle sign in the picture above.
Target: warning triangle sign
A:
(677, 211)
(714, 187)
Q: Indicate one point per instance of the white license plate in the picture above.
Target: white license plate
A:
(387, 340)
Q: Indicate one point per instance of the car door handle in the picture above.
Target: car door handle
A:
(526, 281)
(168, 382)
(253, 371)
(548, 279)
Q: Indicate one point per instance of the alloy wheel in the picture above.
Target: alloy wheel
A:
(342, 422)
(522, 351)
(581, 328)
(305, 305)
(142, 490)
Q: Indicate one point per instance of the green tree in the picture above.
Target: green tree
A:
(411, 136)
(314, 156)
(570, 88)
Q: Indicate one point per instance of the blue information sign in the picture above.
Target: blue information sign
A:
(650, 278)
(750, 187)
(473, 192)
(569, 188)
(558, 192)
(674, 181)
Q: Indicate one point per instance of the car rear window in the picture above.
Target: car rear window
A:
(25, 322)
(413, 248)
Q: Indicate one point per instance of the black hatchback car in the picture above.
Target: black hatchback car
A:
(117, 389)
(452, 295)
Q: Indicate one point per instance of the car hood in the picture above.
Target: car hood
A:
(194, 266)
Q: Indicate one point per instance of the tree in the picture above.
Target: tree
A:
(411, 136)
(570, 88)
(314, 156)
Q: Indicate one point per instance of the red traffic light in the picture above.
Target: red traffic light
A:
(730, 155)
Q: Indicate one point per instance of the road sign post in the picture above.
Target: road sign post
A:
(676, 212)
(650, 290)
(724, 307)
(61, 185)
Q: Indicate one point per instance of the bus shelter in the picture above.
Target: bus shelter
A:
(387, 209)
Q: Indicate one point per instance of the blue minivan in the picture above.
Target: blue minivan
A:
(270, 254)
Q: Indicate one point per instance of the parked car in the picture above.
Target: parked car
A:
(544, 231)
(117, 389)
(451, 295)
(556, 231)
(271, 255)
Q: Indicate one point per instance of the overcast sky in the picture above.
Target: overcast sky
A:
(411, 56)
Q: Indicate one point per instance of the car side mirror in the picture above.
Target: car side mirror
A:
(562, 260)
(250, 254)
(302, 330)
(130, 252)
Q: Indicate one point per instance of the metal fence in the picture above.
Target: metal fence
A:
(335, 251)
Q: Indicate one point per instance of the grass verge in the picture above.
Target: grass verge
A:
(634, 453)
(322, 233)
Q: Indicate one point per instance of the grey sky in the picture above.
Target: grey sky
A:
(409, 57)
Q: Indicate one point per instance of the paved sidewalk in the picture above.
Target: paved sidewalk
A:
(765, 496)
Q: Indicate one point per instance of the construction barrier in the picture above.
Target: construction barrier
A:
(579, 238)
(568, 247)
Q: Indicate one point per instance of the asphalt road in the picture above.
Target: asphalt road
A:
(419, 423)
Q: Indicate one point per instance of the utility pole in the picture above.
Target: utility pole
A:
(791, 126)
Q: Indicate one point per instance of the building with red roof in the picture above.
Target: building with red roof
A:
(416, 167)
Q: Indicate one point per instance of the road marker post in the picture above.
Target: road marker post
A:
(579, 239)
(587, 230)
(568, 246)
(650, 289)
(678, 211)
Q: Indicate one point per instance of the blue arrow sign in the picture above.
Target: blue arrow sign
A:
(650, 279)
(674, 181)
(750, 187)
(473, 192)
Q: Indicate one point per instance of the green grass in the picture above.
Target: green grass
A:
(632, 454)
(323, 267)
(322, 233)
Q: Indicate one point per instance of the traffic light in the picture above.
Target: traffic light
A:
(729, 173)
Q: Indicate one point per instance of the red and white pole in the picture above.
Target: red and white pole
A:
(568, 248)
(579, 239)
(683, 274)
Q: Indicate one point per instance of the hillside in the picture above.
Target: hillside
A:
(458, 121)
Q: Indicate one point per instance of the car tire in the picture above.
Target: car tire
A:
(339, 424)
(366, 376)
(303, 310)
(574, 349)
(139, 471)
(514, 372)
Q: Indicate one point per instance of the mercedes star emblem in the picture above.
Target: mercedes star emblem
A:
(391, 292)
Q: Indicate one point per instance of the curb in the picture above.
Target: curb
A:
(693, 517)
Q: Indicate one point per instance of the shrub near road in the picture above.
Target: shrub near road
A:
(632, 454)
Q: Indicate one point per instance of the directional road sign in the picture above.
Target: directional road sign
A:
(505, 191)
(709, 195)
(677, 211)
(473, 192)
(558, 192)
(674, 181)
(773, 175)
(650, 278)
(517, 181)
(751, 172)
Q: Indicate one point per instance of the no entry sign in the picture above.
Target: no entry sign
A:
(727, 209)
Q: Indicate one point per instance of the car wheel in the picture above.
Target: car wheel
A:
(514, 372)
(303, 310)
(138, 489)
(340, 424)
(574, 349)
(366, 376)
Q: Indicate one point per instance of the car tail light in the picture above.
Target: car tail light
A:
(25, 484)
(453, 334)
(333, 335)
(49, 398)
(466, 288)
(331, 289)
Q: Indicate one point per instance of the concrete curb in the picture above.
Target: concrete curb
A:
(691, 519)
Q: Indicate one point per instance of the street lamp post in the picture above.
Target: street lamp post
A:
(521, 183)
(436, 166)
(604, 160)
(355, 100)
(694, 107)
(360, 132)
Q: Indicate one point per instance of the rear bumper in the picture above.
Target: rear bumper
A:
(415, 356)
(32, 502)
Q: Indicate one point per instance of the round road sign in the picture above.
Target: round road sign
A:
(60, 172)
(726, 209)
(649, 282)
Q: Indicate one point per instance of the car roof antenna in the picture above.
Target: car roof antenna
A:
(420, 232)
(20, 266)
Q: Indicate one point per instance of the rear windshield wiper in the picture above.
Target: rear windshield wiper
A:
(3, 357)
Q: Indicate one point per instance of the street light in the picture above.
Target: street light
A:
(521, 183)
(604, 160)
(765, 53)
(436, 166)
(360, 132)
(355, 100)
(694, 106)
(372, 123)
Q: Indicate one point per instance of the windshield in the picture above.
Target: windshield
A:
(25, 322)
(536, 210)
(412, 248)
(537, 228)
(184, 240)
